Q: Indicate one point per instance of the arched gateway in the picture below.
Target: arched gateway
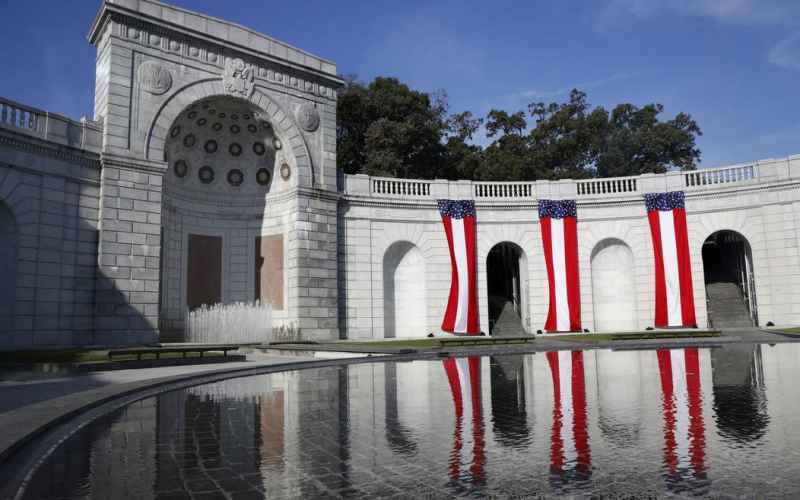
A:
(729, 280)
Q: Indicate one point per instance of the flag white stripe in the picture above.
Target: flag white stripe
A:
(560, 274)
(680, 392)
(460, 250)
(672, 282)
(465, 382)
(567, 408)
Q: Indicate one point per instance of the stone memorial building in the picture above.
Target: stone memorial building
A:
(208, 174)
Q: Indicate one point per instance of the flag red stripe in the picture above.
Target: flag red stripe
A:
(579, 430)
(661, 319)
(684, 267)
(550, 325)
(670, 444)
(696, 425)
(473, 326)
(573, 283)
(556, 441)
(448, 324)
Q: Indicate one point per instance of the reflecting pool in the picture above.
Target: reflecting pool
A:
(683, 422)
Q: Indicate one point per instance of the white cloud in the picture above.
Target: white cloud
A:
(786, 53)
(735, 11)
(562, 91)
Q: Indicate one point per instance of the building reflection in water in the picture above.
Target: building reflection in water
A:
(740, 401)
(654, 422)
(468, 456)
(400, 438)
(684, 428)
(509, 413)
(570, 455)
(620, 394)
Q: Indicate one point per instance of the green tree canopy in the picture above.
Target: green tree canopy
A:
(386, 128)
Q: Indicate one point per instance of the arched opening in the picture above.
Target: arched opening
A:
(729, 280)
(8, 267)
(613, 287)
(507, 283)
(404, 292)
(221, 244)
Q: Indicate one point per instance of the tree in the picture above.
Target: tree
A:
(385, 128)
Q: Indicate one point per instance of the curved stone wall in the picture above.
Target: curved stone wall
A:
(760, 201)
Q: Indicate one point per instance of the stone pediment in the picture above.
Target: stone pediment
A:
(194, 36)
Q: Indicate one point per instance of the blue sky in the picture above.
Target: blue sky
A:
(734, 65)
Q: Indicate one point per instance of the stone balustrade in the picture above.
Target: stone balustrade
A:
(84, 134)
(764, 171)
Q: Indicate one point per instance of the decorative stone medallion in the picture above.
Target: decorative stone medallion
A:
(210, 146)
(206, 174)
(181, 168)
(286, 171)
(237, 78)
(235, 149)
(307, 117)
(235, 177)
(263, 176)
(154, 78)
(259, 148)
(277, 144)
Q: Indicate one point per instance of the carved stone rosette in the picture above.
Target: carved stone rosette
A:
(307, 117)
(154, 78)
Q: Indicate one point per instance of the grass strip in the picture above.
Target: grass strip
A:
(610, 337)
(787, 331)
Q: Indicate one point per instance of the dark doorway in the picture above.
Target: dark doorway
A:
(730, 285)
(506, 278)
(204, 271)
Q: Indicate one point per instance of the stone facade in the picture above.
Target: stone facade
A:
(208, 137)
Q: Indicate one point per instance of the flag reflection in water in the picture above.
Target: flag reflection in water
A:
(684, 430)
(570, 456)
(467, 458)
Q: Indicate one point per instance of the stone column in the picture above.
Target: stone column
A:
(126, 305)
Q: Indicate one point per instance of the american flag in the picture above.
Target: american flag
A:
(674, 295)
(558, 222)
(461, 315)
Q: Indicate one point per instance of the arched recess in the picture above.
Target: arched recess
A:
(507, 284)
(729, 280)
(8, 267)
(288, 131)
(613, 286)
(405, 301)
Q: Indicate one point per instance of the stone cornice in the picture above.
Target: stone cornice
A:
(179, 40)
(134, 164)
(46, 148)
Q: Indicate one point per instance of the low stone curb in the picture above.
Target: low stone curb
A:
(89, 366)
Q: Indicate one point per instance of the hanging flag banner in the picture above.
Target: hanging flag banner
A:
(684, 430)
(559, 226)
(674, 295)
(569, 449)
(461, 315)
(464, 376)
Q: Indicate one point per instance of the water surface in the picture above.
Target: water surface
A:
(684, 422)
